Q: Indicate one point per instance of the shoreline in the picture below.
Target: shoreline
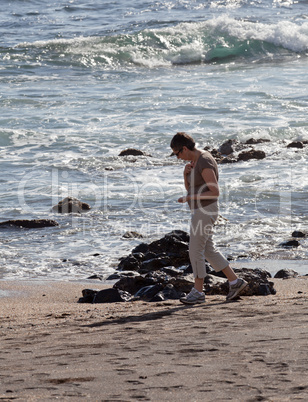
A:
(55, 348)
(270, 265)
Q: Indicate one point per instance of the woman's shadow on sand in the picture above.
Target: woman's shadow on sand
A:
(152, 316)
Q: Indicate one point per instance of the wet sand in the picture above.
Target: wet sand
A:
(53, 348)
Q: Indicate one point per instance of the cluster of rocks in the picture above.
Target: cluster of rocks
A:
(293, 243)
(161, 270)
(226, 152)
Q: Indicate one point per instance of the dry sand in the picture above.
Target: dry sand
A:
(255, 349)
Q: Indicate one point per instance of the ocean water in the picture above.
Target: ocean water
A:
(82, 81)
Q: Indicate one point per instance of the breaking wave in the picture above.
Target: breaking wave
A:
(217, 40)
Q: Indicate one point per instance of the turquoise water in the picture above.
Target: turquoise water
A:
(80, 82)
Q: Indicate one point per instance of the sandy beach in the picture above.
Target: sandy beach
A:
(53, 348)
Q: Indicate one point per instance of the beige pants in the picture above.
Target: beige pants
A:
(201, 245)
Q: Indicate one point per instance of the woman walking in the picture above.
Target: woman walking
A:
(201, 182)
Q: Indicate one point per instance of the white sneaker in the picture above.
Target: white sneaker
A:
(193, 297)
(235, 289)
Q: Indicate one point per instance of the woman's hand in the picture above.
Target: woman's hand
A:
(188, 168)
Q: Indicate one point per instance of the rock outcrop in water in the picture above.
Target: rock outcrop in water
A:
(161, 270)
(132, 152)
(226, 152)
(29, 224)
(71, 205)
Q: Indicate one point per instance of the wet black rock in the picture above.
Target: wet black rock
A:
(227, 147)
(228, 159)
(289, 244)
(172, 249)
(129, 263)
(111, 295)
(132, 152)
(148, 292)
(286, 273)
(87, 296)
(132, 284)
(132, 235)
(167, 293)
(29, 224)
(253, 141)
(95, 276)
(154, 264)
(251, 154)
(298, 233)
(215, 153)
(71, 205)
(296, 144)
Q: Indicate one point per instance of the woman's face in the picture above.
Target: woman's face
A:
(181, 153)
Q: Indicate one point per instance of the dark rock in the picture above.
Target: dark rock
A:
(71, 205)
(214, 285)
(183, 283)
(139, 256)
(122, 274)
(148, 292)
(131, 152)
(258, 283)
(129, 263)
(215, 153)
(168, 293)
(30, 224)
(147, 256)
(251, 154)
(227, 147)
(170, 244)
(253, 141)
(296, 144)
(286, 273)
(95, 276)
(255, 278)
(264, 289)
(111, 295)
(172, 249)
(298, 233)
(87, 296)
(289, 244)
(154, 264)
(141, 248)
(228, 159)
(132, 235)
(171, 271)
(113, 277)
(133, 284)
(187, 269)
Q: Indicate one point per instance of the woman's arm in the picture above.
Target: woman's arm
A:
(210, 179)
